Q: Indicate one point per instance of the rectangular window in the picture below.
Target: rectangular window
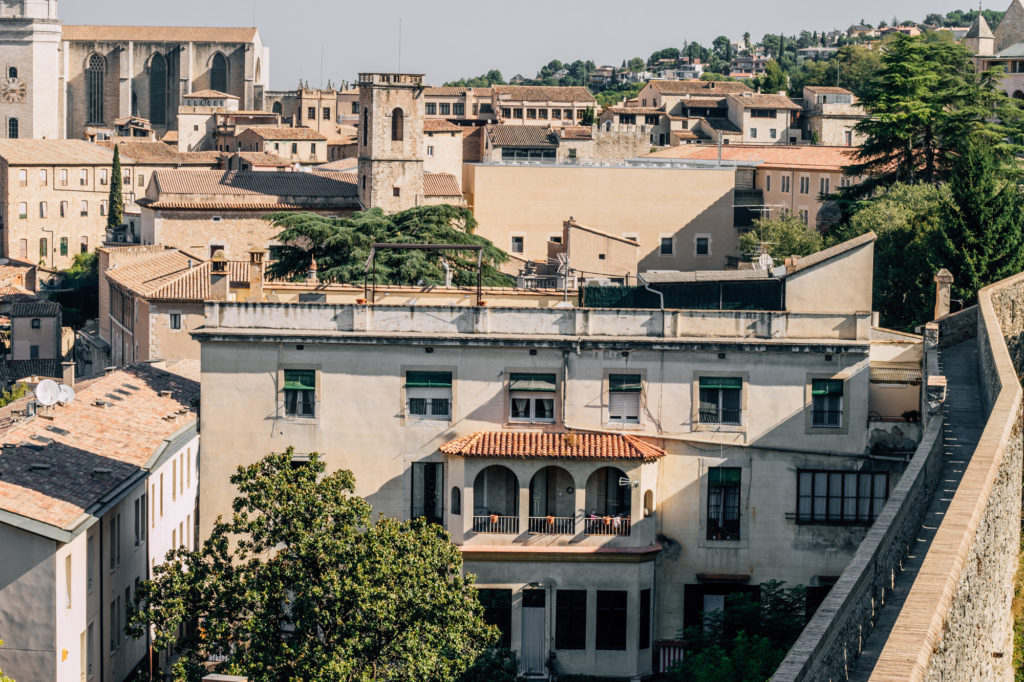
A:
(23, 177)
(840, 497)
(804, 216)
(702, 246)
(300, 392)
(753, 133)
(64, 177)
(624, 398)
(63, 246)
(763, 113)
(161, 496)
(827, 403)
(611, 620)
(44, 248)
(63, 209)
(175, 320)
(355, 107)
(327, 113)
(446, 109)
(785, 184)
(531, 397)
(83, 177)
(498, 612)
(724, 503)
(42, 209)
(311, 113)
(517, 113)
(429, 395)
(430, 108)
(428, 491)
(312, 148)
(644, 638)
(90, 560)
(773, 133)
(720, 400)
(542, 113)
(174, 480)
(103, 176)
(67, 581)
(23, 210)
(85, 208)
(295, 148)
(138, 521)
(188, 468)
(84, 244)
(459, 109)
(89, 643)
(805, 185)
(556, 114)
(518, 244)
(506, 112)
(113, 625)
(666, 246)
(430, 150)
(824, 185)
(42, 176)
(145, 513)
(531, 113)
(767, 183)
(103, 207)
(33, 352)
(571, 619)
(140, 179)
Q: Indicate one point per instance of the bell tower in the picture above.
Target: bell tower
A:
(390, 141)
(30, 38)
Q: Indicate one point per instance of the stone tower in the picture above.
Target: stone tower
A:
(390, 141)
(1010, 30)
(979, 39)
(30, 37)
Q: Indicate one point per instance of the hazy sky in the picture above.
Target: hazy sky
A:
(447, 40)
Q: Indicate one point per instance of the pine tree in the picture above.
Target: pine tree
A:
(115, 204)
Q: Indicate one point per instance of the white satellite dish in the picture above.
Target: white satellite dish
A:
(65, 394)
(47, 392)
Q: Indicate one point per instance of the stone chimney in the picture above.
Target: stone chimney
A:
(256, 265)
(943, 282)
(311, 274)
(220, 281)
(68, 373)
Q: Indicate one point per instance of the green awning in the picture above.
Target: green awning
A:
(544, 383)
(724, 475)
(624, 383)
(721, 382)
(827, 387)
(428, 379)
(299, 380)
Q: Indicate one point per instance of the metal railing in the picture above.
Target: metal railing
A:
(492, 523)
(832, 419)
(606, 525)
(553, 525)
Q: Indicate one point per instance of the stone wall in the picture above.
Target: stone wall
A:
(958, 327)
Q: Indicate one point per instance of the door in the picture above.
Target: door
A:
(534, 651)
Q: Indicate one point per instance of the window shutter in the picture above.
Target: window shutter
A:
(624, 405)
(624, 383)
(428, 379)
(542, 383)
(721, 382)
(299, 379)
(827, 387)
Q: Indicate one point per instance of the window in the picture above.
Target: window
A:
(84, 244)
(753, 133)
(624, 398)
(823, 186)
(88, 647)
(644, 638)
(113, 624)
(430, 150)
(355, 107)
(63, 209)
(23, 178)
(517, 113)
(506, 112)
(485, 109)
(23, 210)
(312, 148)
(327, 114)
(44, 248)
(805, 184)
(311, 113)
(63, 246)
(785, 183)
(42, 209)
(12, 128)
(103, 176)
(804, 216)
(83, 177)
(219, 73)
(567, 114)
(299, 392)
(64, 177)
(12, 72)
(445, 108)
(611, 620)
(103, 207)
(827, 403)
(396, 191)
(840, 497)
(85, 207)
(762, 113)
(571, 619)
(556, 113)
(429, 395)
(517, 244)
(397, 125)
(767, 183)
(67, 581)
(42, 176)
(498, 612)
(531, 397)
(430, 108)
(174, 480)
(428, 491)
(459, 109)
(720, 400)
(531, 113)
(702, 246)
(158, 90)
(140, 179)
(33, 352)
(138, 521)
(724, 503)
(666, 246)
(35, 323)
(145, 515)
(542, 113)
(773, 133)
(295, 148)
(90, 561)
(175, 320)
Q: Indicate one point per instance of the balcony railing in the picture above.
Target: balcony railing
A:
(606, 525)
(493, 523)
(553, 525)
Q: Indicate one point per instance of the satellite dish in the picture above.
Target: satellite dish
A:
(65, 394)
(47, 392)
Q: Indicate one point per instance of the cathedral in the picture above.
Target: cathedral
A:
(56, 80)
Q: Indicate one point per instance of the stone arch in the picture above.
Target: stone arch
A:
(158, 90)
(12, 71)
(397, 125)
(219, 72)
(552, 493)
(277, 108)
(95, 75)
(456, 505)
(1018, 95)
(606, 496)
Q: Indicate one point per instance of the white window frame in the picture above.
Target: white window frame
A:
(533, 397)
(511, 242)
(429, 395)
(696, 238)
(630, 402)
(663, 236)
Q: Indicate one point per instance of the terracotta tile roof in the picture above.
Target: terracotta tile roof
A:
(827, 90)
(444, 91)
(209, 94)
(770, 156)
(520, 136)
(697, 87)
(267, 185)
(54, 152)
(172, 276)
(542, 93)
(259, 159)
(159, 34)
(881, 373)
(635, 110)
(576, 133)
(704, 102)
(438, 125)
(284, 133)
(37, 308)
(441, 185)
(16, 370)
(15, 293)
(341, 165)
(160, 153)
(565, 445)
(684, 135)
(118, 439)
(764, 102)
(723, 124)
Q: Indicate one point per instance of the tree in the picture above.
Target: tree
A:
(8, 396)
(785, 236)
(302, 583)
(636, 64)
(79, 292)
(664, 53)
(722, 46)
(341, 246)
(115, 202)
(774, 78)
(4, 678)
(746, 40)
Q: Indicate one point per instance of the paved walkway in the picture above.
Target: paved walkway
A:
(964, 421)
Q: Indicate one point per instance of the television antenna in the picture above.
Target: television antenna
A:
(65, 394)
(47, 392)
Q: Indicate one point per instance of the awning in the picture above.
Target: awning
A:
(428, 379)
(890, 374)
(827, 387)
(624, 383)
(544, 383)
(721, 382)
(299, 380)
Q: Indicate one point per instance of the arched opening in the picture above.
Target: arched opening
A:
(135, 103)
(397, 125)
(649, 503)
(456, 505)
(552, 502)
(12, 72)
(608, 502)
(277, 109)
(94, 76)
(219, 73)
(366, 127)
(158, 90)
(1018, 95)
(258, 72)
(12, 129)
(496, 501)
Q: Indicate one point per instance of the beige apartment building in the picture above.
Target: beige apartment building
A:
(608, 471)
(830, 116)
(298, 145)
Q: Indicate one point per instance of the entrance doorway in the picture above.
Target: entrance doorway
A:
(534, 649)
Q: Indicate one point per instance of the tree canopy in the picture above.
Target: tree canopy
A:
(4, 678)
(341, 246)
(302, 583)
(115, 201)
(784, 236)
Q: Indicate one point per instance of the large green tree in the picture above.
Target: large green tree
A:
(341, 246)
(302, 583)
(115, 202)
(784, 236)
(774, 78)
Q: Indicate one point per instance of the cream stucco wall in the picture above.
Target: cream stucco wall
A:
(27, 605)
(442, 153)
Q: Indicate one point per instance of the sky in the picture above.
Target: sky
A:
(446, 40)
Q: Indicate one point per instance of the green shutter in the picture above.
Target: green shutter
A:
(827, 387)
(428, 379)
(542, 383)
(721, 382)
(299, 380)
(724, 476)
(624, 383)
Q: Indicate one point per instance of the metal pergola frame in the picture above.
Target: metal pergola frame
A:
(370, 288)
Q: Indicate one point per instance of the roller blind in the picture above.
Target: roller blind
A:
(428, 379)
(299, 379)
(544, 383)
(721, 382)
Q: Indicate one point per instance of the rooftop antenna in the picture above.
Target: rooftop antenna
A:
(66, 394)
(47, 392)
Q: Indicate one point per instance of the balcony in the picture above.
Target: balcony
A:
(493, 523)
(606, 525)
(553, 525)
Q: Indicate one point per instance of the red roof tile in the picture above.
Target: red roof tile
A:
(441, 185)
(566, 445)
(770, 156)
(542, 93)
(439, 125)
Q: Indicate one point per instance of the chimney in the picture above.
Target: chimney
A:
(256, 274)
(69, 373)
(943, 284)
(220, 283)
(311, 274)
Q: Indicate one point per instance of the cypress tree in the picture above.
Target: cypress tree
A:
(115, 205)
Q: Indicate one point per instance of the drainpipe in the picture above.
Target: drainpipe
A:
(447, 272)
(661, 299)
